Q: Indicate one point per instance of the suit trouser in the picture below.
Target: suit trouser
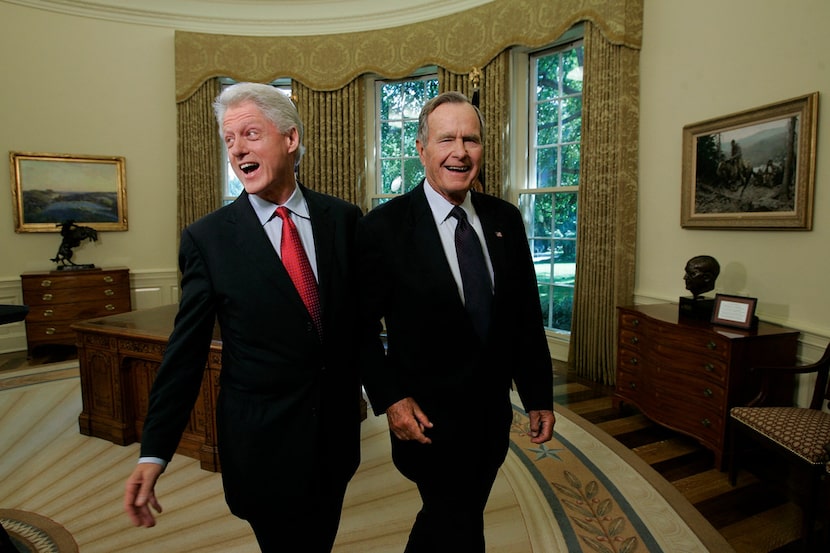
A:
(451, 519)
(309, 529)
(454, 476)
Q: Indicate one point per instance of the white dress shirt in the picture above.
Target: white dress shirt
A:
(446, 224)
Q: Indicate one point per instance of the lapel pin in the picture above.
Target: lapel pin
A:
(498, 234)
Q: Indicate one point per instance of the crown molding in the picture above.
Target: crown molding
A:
(259, 17)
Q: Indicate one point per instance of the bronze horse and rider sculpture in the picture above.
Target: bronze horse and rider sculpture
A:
(73, 235)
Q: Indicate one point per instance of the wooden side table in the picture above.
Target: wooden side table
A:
(686, 374)
(59, 298)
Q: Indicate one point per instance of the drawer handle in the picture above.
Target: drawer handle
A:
(708, 392)
(48, 312)
(635, 340)
(46, 283)
(709, 367)
(633, 385)
(635, 322)
(633, 361)
(706, 423)
(109, 307)
(50, 331)
(711, 345)
(47, 297)
(109, 292)
(108, 279)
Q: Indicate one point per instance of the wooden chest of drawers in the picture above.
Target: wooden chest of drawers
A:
(685, 374)
(56, 299)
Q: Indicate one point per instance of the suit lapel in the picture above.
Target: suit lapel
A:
(258, 252)
(425, 244)
(323, 227)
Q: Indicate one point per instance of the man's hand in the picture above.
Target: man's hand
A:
(541, 426)
(407, 421)
(140, 494)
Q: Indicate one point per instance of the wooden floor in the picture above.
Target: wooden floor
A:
(752, 517)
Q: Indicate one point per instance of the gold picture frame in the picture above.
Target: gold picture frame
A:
(48, 189)
(753, 169)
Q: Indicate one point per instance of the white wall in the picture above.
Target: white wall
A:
(88, 86)
(710, 58)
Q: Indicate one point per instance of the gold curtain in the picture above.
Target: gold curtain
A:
(457, 42)
(334, 162)
(198, 171)
(494, 104)
(607, 221)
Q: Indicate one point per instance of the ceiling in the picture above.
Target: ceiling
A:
(259, 17)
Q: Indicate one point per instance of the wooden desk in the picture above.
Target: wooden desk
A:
(119, 357)
(686, 374)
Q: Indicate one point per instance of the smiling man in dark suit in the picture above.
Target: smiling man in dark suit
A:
(288, 414)
(459, 330)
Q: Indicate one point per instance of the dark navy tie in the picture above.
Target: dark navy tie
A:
(475, 278)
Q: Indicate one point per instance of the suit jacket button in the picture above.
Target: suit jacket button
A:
(309, 327)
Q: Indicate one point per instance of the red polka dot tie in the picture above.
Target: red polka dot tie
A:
(299, 269)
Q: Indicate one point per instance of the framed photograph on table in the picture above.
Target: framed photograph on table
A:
(735, 311)
(48, 189)
(751, 170)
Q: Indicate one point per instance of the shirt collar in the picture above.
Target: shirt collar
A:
(265, 210)
(441, 207)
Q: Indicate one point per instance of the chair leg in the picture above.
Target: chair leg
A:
(733, 454)
(810, 509)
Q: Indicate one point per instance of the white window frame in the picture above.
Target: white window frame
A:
(521, 176)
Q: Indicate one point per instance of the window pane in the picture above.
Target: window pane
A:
(547, 123)
(570, 165)
(392, 176)
(390, 140)
(410, 133)
(572, 119)
(547, 163)
(413, 172)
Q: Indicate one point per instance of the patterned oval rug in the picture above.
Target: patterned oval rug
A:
(32, 533)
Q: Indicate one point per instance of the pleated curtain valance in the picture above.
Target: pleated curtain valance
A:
(458, 43)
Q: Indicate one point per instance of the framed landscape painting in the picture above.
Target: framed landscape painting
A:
(752, 170)
(48, 189)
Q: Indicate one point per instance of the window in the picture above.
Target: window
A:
(231, 186)
(397, 167)
(550, 200)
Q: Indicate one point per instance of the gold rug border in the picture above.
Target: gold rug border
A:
(696, 522)
(59, 535)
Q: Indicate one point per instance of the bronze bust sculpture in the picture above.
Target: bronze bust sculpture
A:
(701, 273)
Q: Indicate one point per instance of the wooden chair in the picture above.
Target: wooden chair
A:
(799, 436)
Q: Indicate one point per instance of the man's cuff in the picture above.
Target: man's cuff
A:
(156, 460)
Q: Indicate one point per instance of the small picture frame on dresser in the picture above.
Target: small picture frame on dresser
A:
(734, 311)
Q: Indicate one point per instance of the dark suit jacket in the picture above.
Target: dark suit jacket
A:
(288, 413)
(433, 352)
